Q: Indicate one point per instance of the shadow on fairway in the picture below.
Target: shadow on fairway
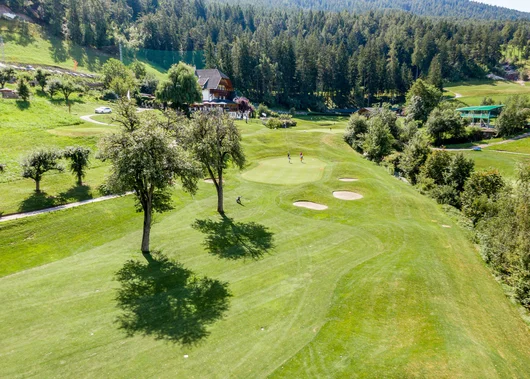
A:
(22, 104)
(235, 240)
(40, 200)
(161, 298)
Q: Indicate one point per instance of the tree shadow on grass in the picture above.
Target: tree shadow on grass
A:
(57, 50)
(41, 200)
(161, 298)
(235, 240)
(37, 200)
(22, 105)
(62, 101)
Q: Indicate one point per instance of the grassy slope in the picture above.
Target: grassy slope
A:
(42, 123)
(375, 287)
(35, 46)
(474, 91)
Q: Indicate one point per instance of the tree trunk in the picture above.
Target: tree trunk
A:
(220, 205)
(147, 229)
(37, 186)
(79, 180)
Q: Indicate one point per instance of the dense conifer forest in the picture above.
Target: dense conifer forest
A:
(300, 58)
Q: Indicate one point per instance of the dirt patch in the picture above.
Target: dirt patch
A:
(347, 195)
(446, 226)
(310, 205)
(348, 179)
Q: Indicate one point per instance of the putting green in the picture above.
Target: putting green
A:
(279, 171)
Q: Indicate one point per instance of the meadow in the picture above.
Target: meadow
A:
(385, 286)
(26, 43)
(45, 123)
(474, 91)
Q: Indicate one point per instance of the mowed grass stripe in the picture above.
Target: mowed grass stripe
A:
(421, 301)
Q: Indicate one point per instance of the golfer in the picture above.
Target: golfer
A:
(301, 157)
(289, 156)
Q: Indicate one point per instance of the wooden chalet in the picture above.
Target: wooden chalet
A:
(217, 91)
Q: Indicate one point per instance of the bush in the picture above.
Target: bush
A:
(273, 123)
(109, 95)
(357, 127)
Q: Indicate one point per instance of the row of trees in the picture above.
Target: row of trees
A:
(41, 161)
(150, 152)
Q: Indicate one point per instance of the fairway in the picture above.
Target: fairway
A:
(279, 171)
(378, 287)
(473, 92)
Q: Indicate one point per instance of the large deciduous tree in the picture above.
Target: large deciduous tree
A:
(78, 157)
(422, 98)
(41, 77)
(514, 115)
(215, 141)
(182, 88)
(146, 161)
(37, 163)
(6, 74)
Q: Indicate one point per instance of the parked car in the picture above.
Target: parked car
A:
(477, 148)
(103, 110)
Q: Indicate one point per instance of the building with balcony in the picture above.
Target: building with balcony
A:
(484, 115)
(217, 90)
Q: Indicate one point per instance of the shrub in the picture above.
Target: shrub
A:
(273, 123)
(353, 135)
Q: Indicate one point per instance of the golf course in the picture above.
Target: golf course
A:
(387, 285)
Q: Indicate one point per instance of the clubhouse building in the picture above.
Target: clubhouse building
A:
(217, 91)
(484, 115)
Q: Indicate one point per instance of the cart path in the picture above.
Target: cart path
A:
(486, 145)
(17, 216)
(88, 118)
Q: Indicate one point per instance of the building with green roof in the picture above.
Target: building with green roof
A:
(482, 115)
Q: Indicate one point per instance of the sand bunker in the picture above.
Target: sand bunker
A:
(310, 205)
(348, 179)
(210, 181)
(446, 226)
(347, 195)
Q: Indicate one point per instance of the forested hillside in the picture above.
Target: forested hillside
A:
(440, 8)
(295, 58)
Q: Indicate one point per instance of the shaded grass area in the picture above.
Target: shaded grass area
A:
(163, 299)
(375, 287)
(31, 44)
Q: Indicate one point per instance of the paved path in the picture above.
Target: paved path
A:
(17, 216)
(88, 118)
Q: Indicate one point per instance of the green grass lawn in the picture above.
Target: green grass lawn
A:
(280, 171)
(32, 45)
(489, 158)
(42, 123)
(519, 146)
(474, 91)
(372, 288)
